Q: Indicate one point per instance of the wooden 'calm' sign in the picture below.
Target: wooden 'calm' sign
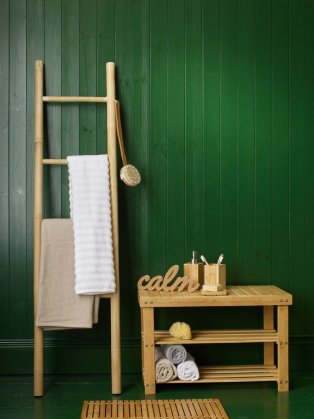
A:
(158, 283)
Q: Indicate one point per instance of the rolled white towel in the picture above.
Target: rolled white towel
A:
(188, 370)
(175, 353)
(165, 369)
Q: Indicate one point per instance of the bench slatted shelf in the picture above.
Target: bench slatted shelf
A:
(231, 373)
(268, 296)
(162, 337)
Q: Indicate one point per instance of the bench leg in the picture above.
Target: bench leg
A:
(269, 358)
(142, 343)
(283, 344)
(148, 353)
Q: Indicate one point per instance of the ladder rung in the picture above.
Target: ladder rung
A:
(55, 161)
(78, 99)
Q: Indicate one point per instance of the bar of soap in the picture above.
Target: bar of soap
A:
(180, 330)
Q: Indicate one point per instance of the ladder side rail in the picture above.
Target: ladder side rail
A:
(115, 299)
(38, 214)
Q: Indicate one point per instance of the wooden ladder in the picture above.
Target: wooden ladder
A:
(40, 99)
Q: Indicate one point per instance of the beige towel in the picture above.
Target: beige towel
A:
(165, 369)
(59, 307)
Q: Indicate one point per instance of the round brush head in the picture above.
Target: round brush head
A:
(130, 175)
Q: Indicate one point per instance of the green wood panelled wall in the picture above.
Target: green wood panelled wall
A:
(217, 105)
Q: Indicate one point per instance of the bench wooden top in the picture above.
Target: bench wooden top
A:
(239, 295)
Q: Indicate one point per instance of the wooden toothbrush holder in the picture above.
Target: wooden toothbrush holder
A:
(214, 279)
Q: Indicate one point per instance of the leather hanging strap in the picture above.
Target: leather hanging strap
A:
(119, 132)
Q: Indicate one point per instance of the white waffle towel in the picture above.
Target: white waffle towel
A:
(188, 370)
(90, 207)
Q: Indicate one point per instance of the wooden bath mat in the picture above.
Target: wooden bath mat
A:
(153, 409)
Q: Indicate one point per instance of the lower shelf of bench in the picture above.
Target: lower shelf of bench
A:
(219, 336)
(231, 374)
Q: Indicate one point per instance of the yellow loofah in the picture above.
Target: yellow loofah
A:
(180, 330)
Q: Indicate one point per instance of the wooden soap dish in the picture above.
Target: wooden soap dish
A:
(223, 292)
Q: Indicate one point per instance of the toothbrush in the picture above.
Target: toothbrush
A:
(194, 260)
(203, 259)
(220, 259)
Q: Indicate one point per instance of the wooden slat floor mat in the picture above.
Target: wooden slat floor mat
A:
(154, 409)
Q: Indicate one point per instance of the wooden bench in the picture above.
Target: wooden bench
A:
(238, 296)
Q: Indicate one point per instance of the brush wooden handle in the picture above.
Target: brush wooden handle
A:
(119, 132)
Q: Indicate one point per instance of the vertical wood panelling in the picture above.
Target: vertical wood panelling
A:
(158, 152)
(175, 133)
(17, 159)
(246, 139)
(157, 177)
(176, 153)
(211, 103)
(194, 142)
(105, 53)
(125, 57)
(87, 75)
(70, 86)
(4, 169)
(280, 143)
(263, 151)
(309, 294)
(297, 169)
(228, 136)
(136, 247)
(53, 86)
(217, 109)
(35, 50)
(140, 132)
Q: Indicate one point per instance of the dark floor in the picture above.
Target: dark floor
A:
(65, 394)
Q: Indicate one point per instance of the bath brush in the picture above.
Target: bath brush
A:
(128, 173)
